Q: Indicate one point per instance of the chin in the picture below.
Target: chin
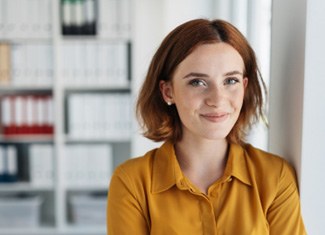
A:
(221, 136)
(217, 134)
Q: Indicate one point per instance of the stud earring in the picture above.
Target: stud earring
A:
(169, 103)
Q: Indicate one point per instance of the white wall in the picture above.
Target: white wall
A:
(297, 99)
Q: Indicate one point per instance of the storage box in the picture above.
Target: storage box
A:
(20, 211)
(88, 209)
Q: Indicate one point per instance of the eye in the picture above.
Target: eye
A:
(197, 82)
(231, 81)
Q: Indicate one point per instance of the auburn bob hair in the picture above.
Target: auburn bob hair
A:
(161, 122)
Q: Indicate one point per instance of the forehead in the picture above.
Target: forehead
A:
(212, 57)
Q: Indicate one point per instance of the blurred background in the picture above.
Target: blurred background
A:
(70, 72)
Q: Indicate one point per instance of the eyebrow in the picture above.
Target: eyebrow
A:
(196, 75)
(193, 74)
(235, 72)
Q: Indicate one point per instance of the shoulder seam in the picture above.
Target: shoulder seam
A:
(132, 188)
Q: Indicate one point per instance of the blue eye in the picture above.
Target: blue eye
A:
(197, 82)
(231, 81)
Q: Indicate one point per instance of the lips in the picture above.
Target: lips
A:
(215, 117)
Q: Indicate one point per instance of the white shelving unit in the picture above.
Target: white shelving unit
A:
(113, 38)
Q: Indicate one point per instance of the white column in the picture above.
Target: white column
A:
(297, 99)
(287, 79)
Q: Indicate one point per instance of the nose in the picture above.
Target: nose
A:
(215, 96)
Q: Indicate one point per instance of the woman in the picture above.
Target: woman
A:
(200, 96)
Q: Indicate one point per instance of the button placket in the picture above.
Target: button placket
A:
(208, 216)
(182, 185)
(229, 179)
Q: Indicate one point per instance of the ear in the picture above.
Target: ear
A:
(245, 82)
(166, 90)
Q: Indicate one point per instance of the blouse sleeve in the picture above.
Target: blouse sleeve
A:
(284, 215)
(124, 213)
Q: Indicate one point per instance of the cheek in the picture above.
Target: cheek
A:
(237, 98)
(186, 97)
(187, 105)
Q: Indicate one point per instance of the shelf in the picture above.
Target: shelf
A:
(94, 38)
(80, 230)
(85, 188)
(26, 138)
(71, 230)
(22, 187)
(24, 40)
(99, 87)
(29, 231)
(28, 88)
(119, 139)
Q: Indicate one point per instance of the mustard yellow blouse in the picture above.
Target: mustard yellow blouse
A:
(257, 195)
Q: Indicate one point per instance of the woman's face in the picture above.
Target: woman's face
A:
(208, 90)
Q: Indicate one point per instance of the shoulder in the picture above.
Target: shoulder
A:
(266, 167)
(262, 158)
(132, 179)
(258, 167)
(269, 172)
(265, 161)
(136, 167)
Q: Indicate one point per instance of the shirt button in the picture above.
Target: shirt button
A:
(229, 179)
(182, 184)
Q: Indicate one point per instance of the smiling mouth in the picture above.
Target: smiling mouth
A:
(216, 117)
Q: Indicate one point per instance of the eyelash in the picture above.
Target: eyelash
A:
(231, 81)
(199, 82)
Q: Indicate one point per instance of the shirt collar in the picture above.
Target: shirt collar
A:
(167, 172)
(237, 164)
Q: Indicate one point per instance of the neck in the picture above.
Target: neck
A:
(202, 161)
(199, 152)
